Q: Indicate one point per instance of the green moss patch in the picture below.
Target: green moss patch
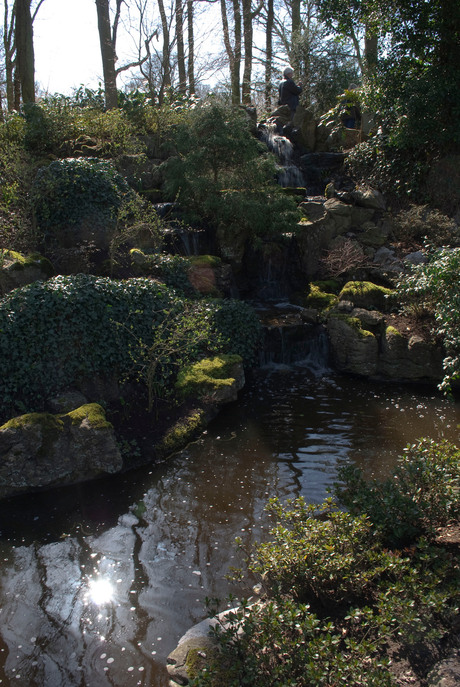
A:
(319, 298)
(92, 412)
(353, 322)
(206, 376)
(365, 294)
(181, 433)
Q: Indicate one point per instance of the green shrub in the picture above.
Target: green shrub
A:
(223, 174)
(54, 333)
(434, 287)
(70, 190)
(423, 494)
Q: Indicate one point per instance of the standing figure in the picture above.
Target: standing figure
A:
(289, 91)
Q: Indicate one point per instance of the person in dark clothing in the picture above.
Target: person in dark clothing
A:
(289, 91)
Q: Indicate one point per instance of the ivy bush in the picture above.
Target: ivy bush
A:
(52, 334)
(66, 191)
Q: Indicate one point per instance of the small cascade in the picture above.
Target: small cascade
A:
(289, 174)
(290, 337)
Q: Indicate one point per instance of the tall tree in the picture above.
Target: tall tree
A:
(180, 47)
(233, 52)
(107, 43)
(166, 55)
(269, 54)
(191, 48)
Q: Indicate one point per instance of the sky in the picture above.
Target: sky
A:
(66, 45)
(67, 51)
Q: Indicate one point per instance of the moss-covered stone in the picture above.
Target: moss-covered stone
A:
(181, 433)
(392, 331)
(355, 323)
(207, 376)
(365, 294)
(92, 412)
(319, 298)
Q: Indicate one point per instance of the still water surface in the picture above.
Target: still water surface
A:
(99, 581)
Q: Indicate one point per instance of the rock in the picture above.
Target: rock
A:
(409, 358)
(365, 294)
(373, 235)
(416, 258)
(369, 198)
(43, 450)
(353, 350)
(386, 260)
(447, 672)
(341, 214)
(67, 401)
(18, 270)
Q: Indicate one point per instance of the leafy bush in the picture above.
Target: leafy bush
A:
(423, 494)
(70, 190)
(52, 334)
(336, 601)
(326, 561)
(223, 173)
(434, 286)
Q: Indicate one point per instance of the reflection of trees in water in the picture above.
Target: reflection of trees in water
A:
(168, 538)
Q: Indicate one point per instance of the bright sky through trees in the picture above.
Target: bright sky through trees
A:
(66, 42)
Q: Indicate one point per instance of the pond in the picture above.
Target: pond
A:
(99, 581)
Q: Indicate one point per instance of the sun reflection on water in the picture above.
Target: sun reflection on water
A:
(100, 591)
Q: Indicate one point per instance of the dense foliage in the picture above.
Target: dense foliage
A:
(69, 190)
(223, 174)
(336, 597)
(434, 287)
(55, 333)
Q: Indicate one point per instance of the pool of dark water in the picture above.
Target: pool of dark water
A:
(100, 580)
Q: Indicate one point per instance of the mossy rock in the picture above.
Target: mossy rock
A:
(18, 270)
(320, 299)
(208, 376)
(181, 433)
(355, 324)
(366, 294)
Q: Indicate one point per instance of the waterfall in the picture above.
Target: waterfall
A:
(288, 174)
(291, 340)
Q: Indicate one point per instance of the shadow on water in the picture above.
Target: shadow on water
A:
(100, 580)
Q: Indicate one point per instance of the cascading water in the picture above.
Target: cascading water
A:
(289, 174)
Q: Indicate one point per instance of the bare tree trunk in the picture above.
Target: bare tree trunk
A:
(296, 28)
(165, 63)
(24, 41)
(247, 33)
(269, 54)
(107, 53)
(9, 50)
(180, 47)
(191, 48)
(233, 54)
(370, 52)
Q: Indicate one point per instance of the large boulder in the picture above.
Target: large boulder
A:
(353, 349)
(44, 450)
(409, 358)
